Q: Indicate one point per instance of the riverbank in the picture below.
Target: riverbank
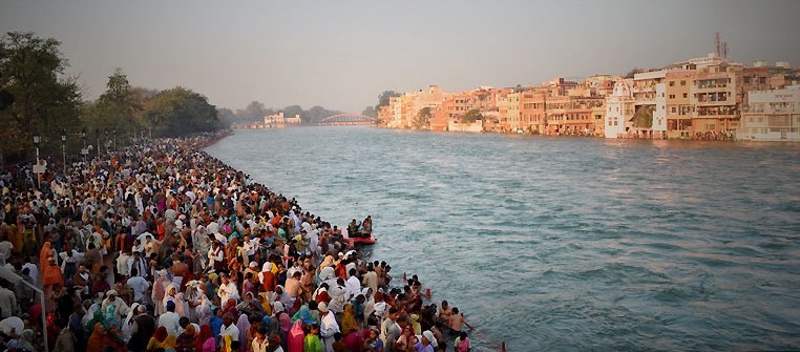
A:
(197, 220)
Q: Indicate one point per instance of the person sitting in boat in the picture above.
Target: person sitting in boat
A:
(352, 229)
(366, 226)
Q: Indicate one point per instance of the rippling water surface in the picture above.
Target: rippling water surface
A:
(562, 243)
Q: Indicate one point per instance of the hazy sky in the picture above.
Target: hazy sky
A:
(342, 54)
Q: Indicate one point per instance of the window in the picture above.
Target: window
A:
(685, 95)
(683, 83)
(673, 110)
(672, 96)
(671, 83)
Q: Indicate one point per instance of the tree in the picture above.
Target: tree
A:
(178, 112)
(472, 116)
(383, 98)
(255, 111)
(423, 118)
(369, 111)
(316, 114)
(643, 117)
(120, 104)
(35, 93)
(292, 110)
(226, 116)
(633, 71)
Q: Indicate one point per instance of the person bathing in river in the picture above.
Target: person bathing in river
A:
(366, 225)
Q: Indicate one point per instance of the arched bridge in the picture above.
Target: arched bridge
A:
(348, 119)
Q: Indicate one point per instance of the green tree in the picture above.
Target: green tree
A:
(36, 94)
(643, 117)
(178, 112)
(383, 98)
(472, 116)
(292, 110)
(369, 111)
(254, 112)
(120, 105)
(226, 116)
(423, 118)
(316, 114)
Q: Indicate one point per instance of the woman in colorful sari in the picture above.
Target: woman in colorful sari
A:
(186, 341)
(161, 339)
(114, 339)
(296, 337)
(45, 253)
(205, 342)
(349, 323)
(243, 324)
(95, 343)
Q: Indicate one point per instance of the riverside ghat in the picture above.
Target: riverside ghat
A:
(160, 245)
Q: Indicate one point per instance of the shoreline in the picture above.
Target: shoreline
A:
(174, 195)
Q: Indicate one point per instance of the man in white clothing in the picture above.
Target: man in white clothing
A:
(138, 284)
(228, 328)
(170, 320)
(327, 326)
(124, 263)
(353, 285)
(138, 263)
(120, 307)
(338, 295)
(227, 290)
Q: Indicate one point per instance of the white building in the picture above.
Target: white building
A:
(660, 113)
(772, 115)
(619, 109)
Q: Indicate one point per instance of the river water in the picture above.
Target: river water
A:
(564, 244)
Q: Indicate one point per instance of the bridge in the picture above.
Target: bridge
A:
(347, 119)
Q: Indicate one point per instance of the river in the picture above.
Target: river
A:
(565, 244)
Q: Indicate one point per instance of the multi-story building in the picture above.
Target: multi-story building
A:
(274, 119)
(649, 94)
(508, 108)
(772, 115)
(532, 110)
(600, 85)
(431, 98)
(718, 92)
(679, 105)
(619, 110)
(385, 115)
(395, 113)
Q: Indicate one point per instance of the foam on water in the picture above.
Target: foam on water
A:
(561, 243)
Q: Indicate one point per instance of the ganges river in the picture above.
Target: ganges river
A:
(564, 244)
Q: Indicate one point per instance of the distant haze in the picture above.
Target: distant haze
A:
(342, 54)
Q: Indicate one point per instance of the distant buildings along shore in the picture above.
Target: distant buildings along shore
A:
(702, 98)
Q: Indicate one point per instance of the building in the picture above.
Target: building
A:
(274, 119)
(772, 115)
(678, 103)
(430, 98)
(717, 94)
(532, 110)
(650, 105)
(508, 112)
(619, 110)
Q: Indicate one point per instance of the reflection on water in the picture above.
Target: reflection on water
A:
(565, 243)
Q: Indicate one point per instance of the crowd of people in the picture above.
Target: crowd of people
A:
(160, 247)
